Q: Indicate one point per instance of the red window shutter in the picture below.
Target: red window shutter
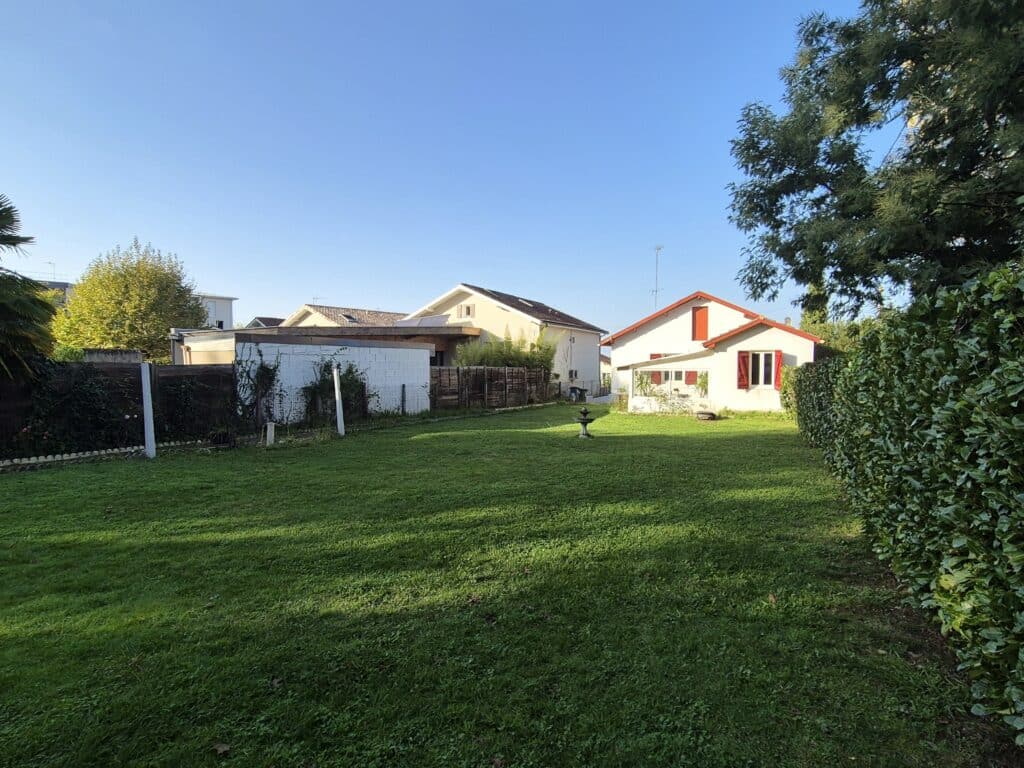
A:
(777, 378)
(743, 370)
(655, 375)
(700, 323)
(691, 378)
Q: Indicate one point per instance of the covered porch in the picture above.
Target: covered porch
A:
(670, 383)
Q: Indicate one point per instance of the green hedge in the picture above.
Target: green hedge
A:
(813, 388)
(924, 423)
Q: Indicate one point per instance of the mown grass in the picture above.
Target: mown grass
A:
(488, 592)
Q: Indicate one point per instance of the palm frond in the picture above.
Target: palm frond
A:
(25, 315)
(10, 226)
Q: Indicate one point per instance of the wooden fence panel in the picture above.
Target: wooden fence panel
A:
(489, 387)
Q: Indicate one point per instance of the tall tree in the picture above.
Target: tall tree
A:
(947, 78)
(130, 299)
(25, 312)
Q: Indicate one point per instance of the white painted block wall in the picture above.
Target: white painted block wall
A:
(385, 369)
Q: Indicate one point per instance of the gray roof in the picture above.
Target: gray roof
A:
(355, 316)
(267, 322)
(536, 309)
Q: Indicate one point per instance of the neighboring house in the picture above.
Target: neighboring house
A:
(261, 321)
(668, 358)
(324, 316)
(499, 314)
(219, 310)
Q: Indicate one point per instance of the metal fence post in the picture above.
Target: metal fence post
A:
(147, 411)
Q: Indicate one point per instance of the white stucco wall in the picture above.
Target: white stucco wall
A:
(205, 347)
(219, 311)
(494, 319)
(386, 366)
(579, 351)
(722, 389)
(721, 366)
(309, 319)
(671, 334)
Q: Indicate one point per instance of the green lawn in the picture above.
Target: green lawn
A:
(482, 592)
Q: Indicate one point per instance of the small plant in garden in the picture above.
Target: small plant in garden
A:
(643, 384)
(257, 388)
(318, 395)
(702, 384)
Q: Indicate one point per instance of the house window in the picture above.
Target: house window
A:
(467, 310)
(573, 373)
(668, 376)
(761, 369)
(655, 375)
(700, 323)
(677, 375)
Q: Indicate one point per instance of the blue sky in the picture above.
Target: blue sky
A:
(376, 154)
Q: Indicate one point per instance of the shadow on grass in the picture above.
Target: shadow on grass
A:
(509, 594)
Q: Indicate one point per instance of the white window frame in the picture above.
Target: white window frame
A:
(766, 355)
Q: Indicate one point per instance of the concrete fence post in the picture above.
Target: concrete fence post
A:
(337, 401)
(147, 410)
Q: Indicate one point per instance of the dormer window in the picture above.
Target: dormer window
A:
(466, 310)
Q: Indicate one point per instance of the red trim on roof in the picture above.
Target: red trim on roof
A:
(610, 340)
(710, 343)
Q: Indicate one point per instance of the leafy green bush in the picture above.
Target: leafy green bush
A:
(507, 353)
(62, 353)
(787, 398)
(318, 395)
(813, 395)
(925, 425)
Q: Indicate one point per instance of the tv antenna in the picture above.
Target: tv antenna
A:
(657, 254)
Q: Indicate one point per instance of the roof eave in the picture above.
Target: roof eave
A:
(610, 340)
(712, 343)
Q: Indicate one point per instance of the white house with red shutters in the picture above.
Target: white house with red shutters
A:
(705, 353)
